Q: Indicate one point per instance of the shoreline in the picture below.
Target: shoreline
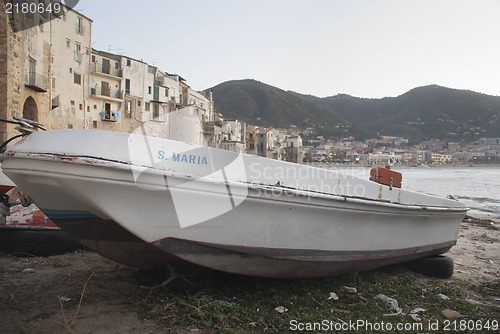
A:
(402, 166)
(39, 291)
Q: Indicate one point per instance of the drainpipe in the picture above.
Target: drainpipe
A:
(50, 71)
(84, 104)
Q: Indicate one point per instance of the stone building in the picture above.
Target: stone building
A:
(50, 74)
(294, 151)
(25, 68)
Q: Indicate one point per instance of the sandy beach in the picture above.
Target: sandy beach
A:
(42, 295)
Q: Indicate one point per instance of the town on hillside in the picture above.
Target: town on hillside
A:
(52, 75)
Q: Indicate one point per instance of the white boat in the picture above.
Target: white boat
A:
(144, 201)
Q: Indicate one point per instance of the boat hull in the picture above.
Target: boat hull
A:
(141, 227)
(266, 225)
(109, 239)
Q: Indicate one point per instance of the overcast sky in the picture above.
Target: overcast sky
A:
(365, 48)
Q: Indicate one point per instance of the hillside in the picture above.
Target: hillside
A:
(422, 113)
(264, 105)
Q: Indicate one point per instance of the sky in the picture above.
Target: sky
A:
(364, 48)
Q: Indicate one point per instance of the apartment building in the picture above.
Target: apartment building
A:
(25, 67)
(265, 142)
(251, 139)
(440, 159)
(294, 151)
(51, 74)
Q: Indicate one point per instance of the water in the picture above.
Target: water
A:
(478, 188)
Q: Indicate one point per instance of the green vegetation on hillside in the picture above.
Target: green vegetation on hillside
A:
(422, 113)
(260, 104)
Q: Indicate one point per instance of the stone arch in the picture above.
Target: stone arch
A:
(30, 109)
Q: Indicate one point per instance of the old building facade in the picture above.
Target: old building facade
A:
(51, 74)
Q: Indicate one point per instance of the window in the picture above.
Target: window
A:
(95, 106)
(149, 89)
(127, 86)
(252, 146)
(80, 106)
(116, 65)
(128, 109)
(139, 103)
(78, 52)
(77, 78)
(94, 124)
(79, 26)
(147, 106)
(72, 102)
(53, 83)
(128, 62)
(166, 92)
(70, 70)
(156, 111)
(93, 58)
(32, 71)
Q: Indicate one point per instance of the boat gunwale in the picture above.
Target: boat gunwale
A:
(103, 162)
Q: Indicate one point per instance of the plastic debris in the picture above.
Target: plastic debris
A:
(393, 303)
(475, 302)
(64, 299)
(281, 309)
(28, 270)
(349, 289)
(228, 304)
(333, 296)
(413, 313)
(443, 297)
(253, 324)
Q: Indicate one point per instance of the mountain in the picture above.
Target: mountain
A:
(429, 112)
(260, 104)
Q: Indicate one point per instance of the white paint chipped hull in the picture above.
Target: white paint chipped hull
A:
(230, 212)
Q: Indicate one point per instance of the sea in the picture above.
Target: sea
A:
(477, 187)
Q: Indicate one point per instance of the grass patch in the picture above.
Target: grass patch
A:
(235, 304)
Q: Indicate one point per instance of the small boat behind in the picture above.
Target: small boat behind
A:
(146, 201)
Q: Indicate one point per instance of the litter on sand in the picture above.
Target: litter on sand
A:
(349, 289)
(333, 296)
(393, 303)
(281, 309)
(443, 297)
(413, 313)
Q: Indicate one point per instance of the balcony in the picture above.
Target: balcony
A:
(106, 70)
(159, 81)
(78, 56)
(110, 116)
(55, 102)
(106, 93)
(36, 82)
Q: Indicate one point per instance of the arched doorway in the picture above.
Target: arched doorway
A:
(30, 110)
